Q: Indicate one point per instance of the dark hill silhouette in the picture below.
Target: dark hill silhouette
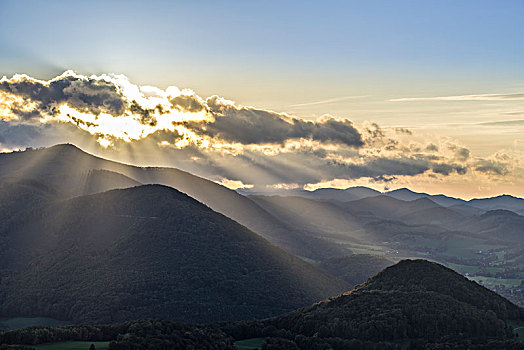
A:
(415, 302)
(69, 169)
(422, 275)
(415, 299)
(148, 251)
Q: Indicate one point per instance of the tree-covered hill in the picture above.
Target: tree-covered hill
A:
(376, 315)
(415, 300)
(75, 172)
(422, 275)
(147, 251)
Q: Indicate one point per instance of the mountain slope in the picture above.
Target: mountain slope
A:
(321, 216)
(148, 251)
(422, 275)
(346, 195)
(388, 207)
(104, 180)
(408, 195)
(69, 169)
(498, 224)
(417, 300)
(414, 304)
(505, 202)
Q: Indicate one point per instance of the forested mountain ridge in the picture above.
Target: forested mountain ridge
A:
(147, 251)
(420, 314)
(422, 302)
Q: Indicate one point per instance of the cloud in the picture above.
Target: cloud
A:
(519, 122)
(432, 148)
(249, 125)
(462, 153)
(234, 184)
(491, 167)
(446, 169)
(481, 97)
(241, 147)
(112, 108)
(88, 95)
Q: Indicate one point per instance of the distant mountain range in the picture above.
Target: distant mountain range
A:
(476, 205)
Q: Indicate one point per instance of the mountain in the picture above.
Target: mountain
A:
(146, 251)
(497, 224)
(467, 210)
(74, 172)
(98, 180)
(414, 304)
(18, 194)
(408, 195)
(346, 195)
(320, 216)
(438, 216)
(356, 268)
(323, 194)
(388, 207)
(505, 202)
(415, 300)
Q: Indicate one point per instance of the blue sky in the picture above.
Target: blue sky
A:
(243, 49)
(443, 69)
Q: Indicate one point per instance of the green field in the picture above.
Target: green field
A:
(489, 282)
(22, 322)
(473, 269)
(73, 345)
(249, 344)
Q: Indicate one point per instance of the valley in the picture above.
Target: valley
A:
(103, 244)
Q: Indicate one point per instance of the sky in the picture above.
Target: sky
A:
(276, 95)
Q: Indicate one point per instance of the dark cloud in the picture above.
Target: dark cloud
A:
(105, 94)
(18, 134)
(378, 167)
(491, 167)
(255, 126)
(188, 103)
(462, 153)
(85, 94)
(403, 131)
(341, 152)
(446, 169)
(432, 148)
(518, 122)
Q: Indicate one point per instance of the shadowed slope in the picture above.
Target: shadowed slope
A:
(422, 275)
(148, 251)
(69, 169)
(417, 300)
